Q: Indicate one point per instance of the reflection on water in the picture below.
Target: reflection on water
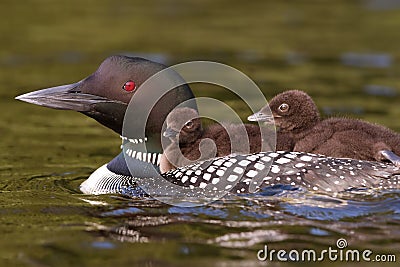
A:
(382, 4)
(296, 216)
(294, 58)
(367, 60)
(380, 90)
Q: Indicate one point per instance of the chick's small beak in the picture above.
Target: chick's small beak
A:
(170, 133)
(259, 116)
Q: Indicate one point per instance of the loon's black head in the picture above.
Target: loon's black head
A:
(291, 111)
(105, 94)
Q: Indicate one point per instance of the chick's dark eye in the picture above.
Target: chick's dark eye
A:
(129, 86)
(284, 107)
(189, 124)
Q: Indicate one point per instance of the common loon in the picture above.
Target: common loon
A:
(190, 142)
(104, 96)
(296, 114)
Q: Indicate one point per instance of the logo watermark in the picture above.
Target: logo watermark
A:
(340, 252)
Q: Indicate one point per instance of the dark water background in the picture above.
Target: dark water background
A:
(344, 53)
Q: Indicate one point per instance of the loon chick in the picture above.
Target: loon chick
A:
(296, 115)
(190, 142)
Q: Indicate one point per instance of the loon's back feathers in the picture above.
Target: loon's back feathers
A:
(313, 172)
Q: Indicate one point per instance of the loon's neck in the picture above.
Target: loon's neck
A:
(134, 149)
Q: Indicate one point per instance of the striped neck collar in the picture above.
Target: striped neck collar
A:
(129, 147)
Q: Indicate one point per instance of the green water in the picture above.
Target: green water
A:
(45, 154)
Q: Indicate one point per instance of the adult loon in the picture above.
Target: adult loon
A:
(104, 96)
(296, 114)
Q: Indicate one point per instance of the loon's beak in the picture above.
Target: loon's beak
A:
(170, 133)
(67, 97)
(259, 116)
(107, 111)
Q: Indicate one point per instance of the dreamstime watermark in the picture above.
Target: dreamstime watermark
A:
(339, 253)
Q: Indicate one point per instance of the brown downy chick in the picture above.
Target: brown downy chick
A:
(297, 117)
(191, 143)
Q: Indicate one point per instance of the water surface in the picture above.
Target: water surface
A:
(345, 55)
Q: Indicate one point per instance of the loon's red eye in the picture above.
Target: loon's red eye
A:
(129, 86)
